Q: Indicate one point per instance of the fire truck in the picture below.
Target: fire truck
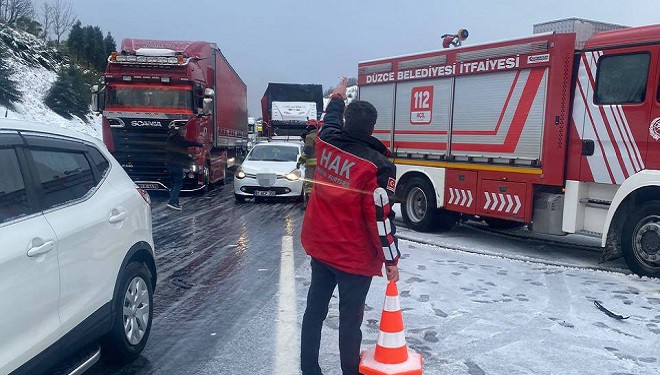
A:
(152, 85)
(559, 130)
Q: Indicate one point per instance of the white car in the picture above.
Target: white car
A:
(270, 170)
(76, 252)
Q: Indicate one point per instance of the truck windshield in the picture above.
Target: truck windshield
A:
(273, 153)
(144, 96)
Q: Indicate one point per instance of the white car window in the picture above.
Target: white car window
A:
(13, 196)
(64, 176)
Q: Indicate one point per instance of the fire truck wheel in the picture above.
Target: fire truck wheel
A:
(419, 208)
(640, 241)
(502, 224)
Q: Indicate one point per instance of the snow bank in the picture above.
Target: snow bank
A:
(35, 66)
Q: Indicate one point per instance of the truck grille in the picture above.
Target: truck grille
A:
(142, 153)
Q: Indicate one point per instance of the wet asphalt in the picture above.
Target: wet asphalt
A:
(218, 265)
(218, 306)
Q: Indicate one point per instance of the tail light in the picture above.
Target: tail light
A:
(145, 195)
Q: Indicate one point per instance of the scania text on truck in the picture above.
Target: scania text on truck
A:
(153, 84)
(286, 108)
(560, 130)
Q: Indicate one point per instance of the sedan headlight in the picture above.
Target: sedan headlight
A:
(294, 175)
(239, 174)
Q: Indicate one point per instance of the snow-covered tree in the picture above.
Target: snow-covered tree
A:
(69, 96)
(9, 93)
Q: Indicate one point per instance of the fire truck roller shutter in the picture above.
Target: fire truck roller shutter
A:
(381, 97)
(422, 116)
(500, 116)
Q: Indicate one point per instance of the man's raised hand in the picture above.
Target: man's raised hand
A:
(341, 88)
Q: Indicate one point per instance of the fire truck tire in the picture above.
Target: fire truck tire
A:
(496, 223)
(640, 240)
(419, 208)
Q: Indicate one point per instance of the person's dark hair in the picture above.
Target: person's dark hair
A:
(360, 118)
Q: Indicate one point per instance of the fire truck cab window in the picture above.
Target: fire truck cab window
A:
(621, 79)
(149, 97)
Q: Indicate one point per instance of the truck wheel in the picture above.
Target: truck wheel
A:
(640, 240)
(133, 314)
(419, 208)
(502, 224)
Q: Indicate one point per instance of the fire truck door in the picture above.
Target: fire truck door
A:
(653, 151)
(612, 109)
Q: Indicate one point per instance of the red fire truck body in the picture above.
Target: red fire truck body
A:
(538, 130)
(153, 84)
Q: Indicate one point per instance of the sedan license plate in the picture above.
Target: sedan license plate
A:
(264, 193)
(148, 186)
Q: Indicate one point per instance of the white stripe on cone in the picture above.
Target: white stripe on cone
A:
(391, 304)
(392, 340)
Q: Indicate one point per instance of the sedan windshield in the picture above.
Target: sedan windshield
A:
(273, 153)
(138, 96)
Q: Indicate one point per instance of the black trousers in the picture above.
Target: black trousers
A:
(352, 295)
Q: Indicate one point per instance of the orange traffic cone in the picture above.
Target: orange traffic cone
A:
(391, 355)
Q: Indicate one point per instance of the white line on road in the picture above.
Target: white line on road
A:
(287, 349)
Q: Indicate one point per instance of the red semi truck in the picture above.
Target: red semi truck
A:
(152, 84)
(559, 130)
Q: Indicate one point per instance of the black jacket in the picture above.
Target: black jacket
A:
(177, 149)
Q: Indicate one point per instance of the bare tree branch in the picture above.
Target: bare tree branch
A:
(46, 20)
(12, 10)
(63, 17)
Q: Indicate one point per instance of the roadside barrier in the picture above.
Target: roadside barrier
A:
(391, 355)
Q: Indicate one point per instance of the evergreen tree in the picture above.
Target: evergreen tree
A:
(75, 42)
(100, 57)
(9, 93)
(69, 96)
(110, 44)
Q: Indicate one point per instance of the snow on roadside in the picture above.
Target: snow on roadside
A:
(34, 81)
(474, 314)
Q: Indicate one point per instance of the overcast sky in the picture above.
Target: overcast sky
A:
(309, 41)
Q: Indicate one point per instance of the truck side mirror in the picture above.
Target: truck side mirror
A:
(207, 108)
(207, 102)
(97, 96)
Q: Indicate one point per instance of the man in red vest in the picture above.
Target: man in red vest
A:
(348, 228)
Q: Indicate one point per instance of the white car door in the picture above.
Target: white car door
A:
(88, 221)
(29, 284)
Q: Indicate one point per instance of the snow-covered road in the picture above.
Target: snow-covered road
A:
(477, 314)
(233, 281)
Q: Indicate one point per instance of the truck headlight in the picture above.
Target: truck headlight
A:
(294, 175)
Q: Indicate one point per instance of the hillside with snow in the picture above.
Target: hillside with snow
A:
(35, 68)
